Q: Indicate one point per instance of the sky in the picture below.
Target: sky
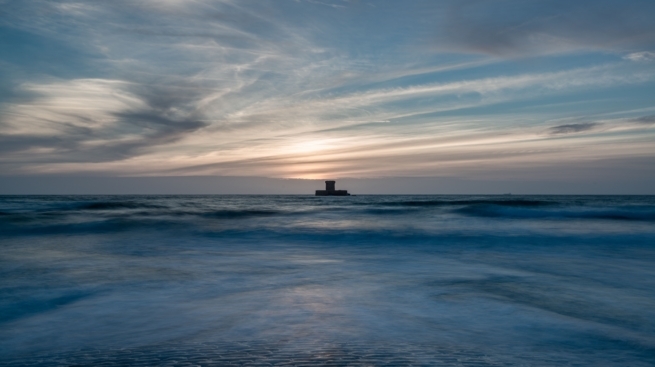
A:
(509, 91)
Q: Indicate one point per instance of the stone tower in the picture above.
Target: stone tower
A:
(331, 191)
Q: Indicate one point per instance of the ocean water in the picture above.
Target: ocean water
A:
(303, 280)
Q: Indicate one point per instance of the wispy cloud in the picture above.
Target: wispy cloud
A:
(643, 56)
(573, 128)
(283, 89)
(517, 28)
(645, 119)
(94, 120)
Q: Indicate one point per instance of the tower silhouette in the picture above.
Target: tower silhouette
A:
(331, 191)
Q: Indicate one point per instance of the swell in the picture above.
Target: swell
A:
(241, 213)
(113, 205)
(60, 222)
(108, 214)
(616, 214)
(445, 203)
(94, 226)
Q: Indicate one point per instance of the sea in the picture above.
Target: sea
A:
(367, 280)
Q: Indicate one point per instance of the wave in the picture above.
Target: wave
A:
(114, 225)
(56, 222)
(498, 202)
(107, 214)
(110, 205)
(612, 214)
(389, 211)
(241, 213)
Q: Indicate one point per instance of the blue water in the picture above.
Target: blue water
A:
(361, 280)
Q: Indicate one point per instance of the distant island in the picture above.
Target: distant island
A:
(330, 191)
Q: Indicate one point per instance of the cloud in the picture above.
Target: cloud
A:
(644, 56)
(606, 126)
(520, 28)
(94, 120)
(332, 5)
(573, 128)
(281, 89)
(249, 128)
(645, 119)
(407, 103)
